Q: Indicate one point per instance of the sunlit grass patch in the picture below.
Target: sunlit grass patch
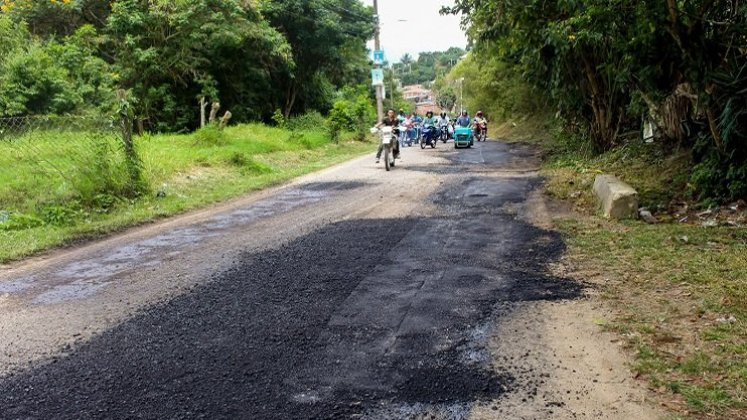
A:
(58, 189)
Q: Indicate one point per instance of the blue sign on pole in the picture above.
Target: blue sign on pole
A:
(377, 77)
(378, 57)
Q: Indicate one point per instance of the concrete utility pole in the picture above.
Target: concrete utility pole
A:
(461, 95)
(377, 47)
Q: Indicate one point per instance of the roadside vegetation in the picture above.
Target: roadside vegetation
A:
(59, 187)
(678, 287)
(652, 92)
(218, 97)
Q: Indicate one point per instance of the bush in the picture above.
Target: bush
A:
(209, 135)
(247, 164)
(278, 118)
(17, 221)
(338, 119)
(300, 138)
(59, 215)
(311, 121)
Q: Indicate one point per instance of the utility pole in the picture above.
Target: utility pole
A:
(461, 95)
(377, 47)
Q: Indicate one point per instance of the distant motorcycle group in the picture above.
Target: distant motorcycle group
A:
(401, 130)
(427, 131)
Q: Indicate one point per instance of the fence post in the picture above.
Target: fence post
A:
(203, 104)
(134, 165)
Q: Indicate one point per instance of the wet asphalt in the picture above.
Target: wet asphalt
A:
(370, 318)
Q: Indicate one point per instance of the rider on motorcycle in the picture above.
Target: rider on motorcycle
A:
(430, 122)
(401, 116)
(443, 123)
(390, 121)
(481, 124)
(463, 120)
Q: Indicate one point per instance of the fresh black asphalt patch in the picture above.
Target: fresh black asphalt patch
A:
(376, 318)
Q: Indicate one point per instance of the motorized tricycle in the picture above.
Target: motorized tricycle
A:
(463, 137)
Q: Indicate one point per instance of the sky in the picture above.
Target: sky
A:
(424, 30)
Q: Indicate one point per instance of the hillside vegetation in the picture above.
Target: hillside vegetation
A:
(607, 70)
(254, 58)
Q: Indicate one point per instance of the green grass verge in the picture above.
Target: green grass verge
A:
(681, 295)
(680, 290)
(534, 130)
(64, 187)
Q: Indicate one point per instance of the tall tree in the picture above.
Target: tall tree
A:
(170, 52)
(328, 47)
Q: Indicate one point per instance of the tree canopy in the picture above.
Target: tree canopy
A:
(254, 57)
(609, 66)
(427, 67)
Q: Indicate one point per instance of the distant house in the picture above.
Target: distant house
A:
(417, 93)
(421, 109)
(423, 98)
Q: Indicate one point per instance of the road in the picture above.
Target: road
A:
(351, 293)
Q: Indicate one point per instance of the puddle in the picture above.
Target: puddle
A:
(15, 286)
(65, 292)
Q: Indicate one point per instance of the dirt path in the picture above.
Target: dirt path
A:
(422, 292)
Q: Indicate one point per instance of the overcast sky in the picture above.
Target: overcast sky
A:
(424, 29)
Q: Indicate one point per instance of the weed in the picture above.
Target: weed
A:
(237, 159)
(248, 165)
(17, 221)
(58, 215)
(310, 121)
(300, 138)
(208, 136)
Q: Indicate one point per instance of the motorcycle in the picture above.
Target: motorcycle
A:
(404, 136)
(481, 131)
(389, 137)
(429, 137)
(444, 132)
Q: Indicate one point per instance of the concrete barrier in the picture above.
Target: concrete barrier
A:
(617, 199)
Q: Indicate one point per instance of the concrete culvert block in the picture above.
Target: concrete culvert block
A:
(617, 199)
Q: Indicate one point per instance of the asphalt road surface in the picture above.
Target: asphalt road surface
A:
(350, 293)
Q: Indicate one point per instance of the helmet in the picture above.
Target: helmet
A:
(479, 113)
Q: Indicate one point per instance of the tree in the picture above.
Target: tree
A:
(169, 53)
(328, 48)
(607, 65)
(427, 67)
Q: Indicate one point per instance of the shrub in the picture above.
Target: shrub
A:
(338, 119)
(311, 121)
(209, 135)
(18, 221)
(300, 138)
(61, 215)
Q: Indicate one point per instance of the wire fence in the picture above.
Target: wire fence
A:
(16, 127)
(54, 159)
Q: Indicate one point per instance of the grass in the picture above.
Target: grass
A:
(679, 290)
(535, 130)
(67, 186)
(681, 296)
